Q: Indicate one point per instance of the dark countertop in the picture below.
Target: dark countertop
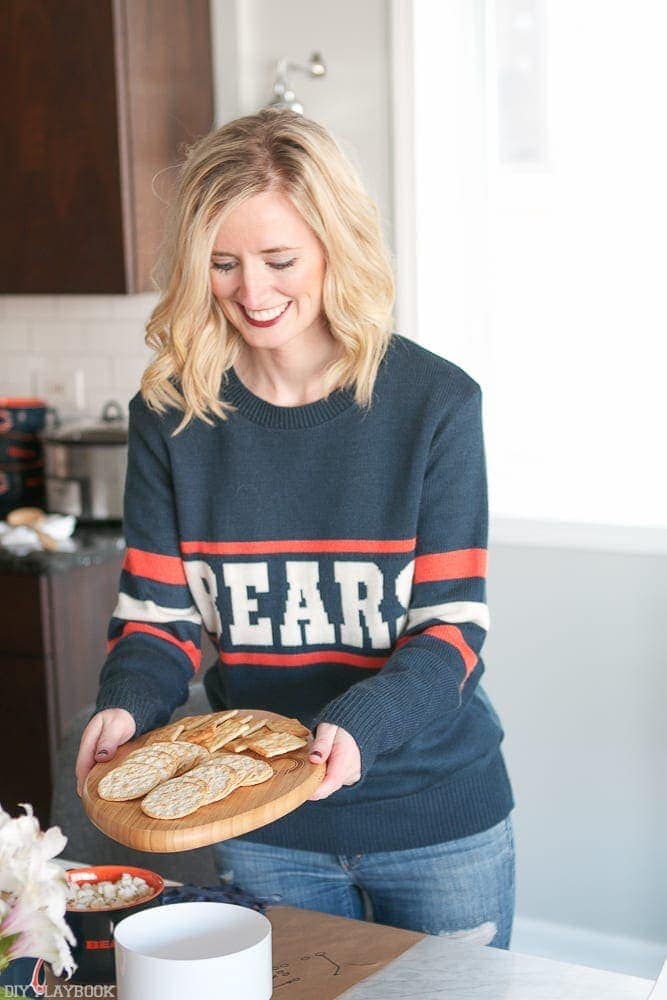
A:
(95, 544)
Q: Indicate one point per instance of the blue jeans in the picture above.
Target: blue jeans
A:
(463, 887)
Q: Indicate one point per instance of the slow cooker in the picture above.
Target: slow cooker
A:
(85, 465)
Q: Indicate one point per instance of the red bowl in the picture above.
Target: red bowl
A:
(112, 873)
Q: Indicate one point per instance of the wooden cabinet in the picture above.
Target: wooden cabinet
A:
(52, 645)
(99, 97)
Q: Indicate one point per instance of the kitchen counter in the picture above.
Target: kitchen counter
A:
(94, 544)
(319, 955)
(434, 969)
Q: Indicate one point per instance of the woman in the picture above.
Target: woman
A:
(312, 489)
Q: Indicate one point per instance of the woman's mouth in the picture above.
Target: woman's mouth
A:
(265, 317)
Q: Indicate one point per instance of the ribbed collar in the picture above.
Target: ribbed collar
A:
(285, 417)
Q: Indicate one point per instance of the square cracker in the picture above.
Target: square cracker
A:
(229, 730)
(238, 745)
(165, 733)
(275, 743)
(292, 726)
(196, 722)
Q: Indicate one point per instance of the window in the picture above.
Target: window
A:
(540, 208)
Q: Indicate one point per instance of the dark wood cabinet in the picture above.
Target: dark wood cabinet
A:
(52, 645)
(99, 97)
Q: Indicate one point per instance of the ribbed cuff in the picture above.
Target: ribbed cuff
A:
(389, 709)
(147, 711)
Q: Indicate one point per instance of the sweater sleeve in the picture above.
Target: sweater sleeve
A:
(154, 634)
(433, 664)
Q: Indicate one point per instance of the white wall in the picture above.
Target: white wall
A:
(575, 663)
(352, 99)
(43, 339)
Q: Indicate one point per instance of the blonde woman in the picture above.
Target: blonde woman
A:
(311, 487)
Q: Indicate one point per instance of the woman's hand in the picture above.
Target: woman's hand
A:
(105, 732)
(335, 747)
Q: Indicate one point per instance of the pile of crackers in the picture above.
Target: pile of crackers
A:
(199, 760)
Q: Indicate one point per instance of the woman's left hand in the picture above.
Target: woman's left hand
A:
(335, 747)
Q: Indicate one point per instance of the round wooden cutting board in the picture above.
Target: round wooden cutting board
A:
(294, 781)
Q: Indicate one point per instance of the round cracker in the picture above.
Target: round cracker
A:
(165, 762)
(129, 781)
(160, 746)
(176, 798)
(195, 755)
(252, 771)
(221, 780)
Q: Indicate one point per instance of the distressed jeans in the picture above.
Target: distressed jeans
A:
(463, 888)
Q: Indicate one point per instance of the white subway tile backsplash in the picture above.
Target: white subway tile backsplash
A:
(17, 369)
(30, 307)
(61, 338)
(136, 307)
(16, 336)
(101, 336)
(128, 371)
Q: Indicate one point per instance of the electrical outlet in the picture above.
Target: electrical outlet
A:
(64, 390)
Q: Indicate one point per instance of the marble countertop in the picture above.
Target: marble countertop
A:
(93, 545)
(434, 969)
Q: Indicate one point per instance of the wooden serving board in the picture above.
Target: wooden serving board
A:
(294, 781)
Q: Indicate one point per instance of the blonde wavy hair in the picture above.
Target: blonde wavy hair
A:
(274, 150)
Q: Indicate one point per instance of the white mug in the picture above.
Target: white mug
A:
(194, 949)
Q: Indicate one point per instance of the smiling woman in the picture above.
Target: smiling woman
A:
(269, 215)
(310, 487)
(273, 296)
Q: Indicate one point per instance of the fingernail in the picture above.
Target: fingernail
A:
(315, 753)
(102, 753)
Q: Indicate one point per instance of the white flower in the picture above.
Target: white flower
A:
(33, 893)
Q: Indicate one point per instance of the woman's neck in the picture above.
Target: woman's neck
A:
(287, 377)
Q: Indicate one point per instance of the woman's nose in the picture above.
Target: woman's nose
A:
(254, 288)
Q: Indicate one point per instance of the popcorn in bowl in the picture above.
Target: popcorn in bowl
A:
(107, 894)
(97, 899)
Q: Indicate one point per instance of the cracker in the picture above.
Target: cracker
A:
(221, 780)
(165, 762)
(215, 735)
(236, 746)
(255, 725)
(176, 798)
(292, 726)
(275, 743)
(252, 771)
(195, 755)
(175, 749)
(191, 722)
(165, 733)
(129, 781)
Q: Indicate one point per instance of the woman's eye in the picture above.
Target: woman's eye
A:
(282, 264)
(226, 266)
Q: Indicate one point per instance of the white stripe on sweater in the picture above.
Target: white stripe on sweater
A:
(130, 609)
(456, 612)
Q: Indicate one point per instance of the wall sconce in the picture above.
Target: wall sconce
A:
(283, 95)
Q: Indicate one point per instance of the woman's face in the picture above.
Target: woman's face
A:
(267, 270)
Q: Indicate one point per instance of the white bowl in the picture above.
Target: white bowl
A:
(194, 949)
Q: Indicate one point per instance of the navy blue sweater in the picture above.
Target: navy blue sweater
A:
(337, 557)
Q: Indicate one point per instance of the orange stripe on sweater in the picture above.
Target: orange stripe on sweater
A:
(455, 565)
(452, 635)
(164, 569)
(189, 648)
(303, 659)
(385, 546)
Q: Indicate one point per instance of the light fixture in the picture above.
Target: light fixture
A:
(283, 95)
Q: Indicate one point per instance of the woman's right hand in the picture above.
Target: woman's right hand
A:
(106, 731)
